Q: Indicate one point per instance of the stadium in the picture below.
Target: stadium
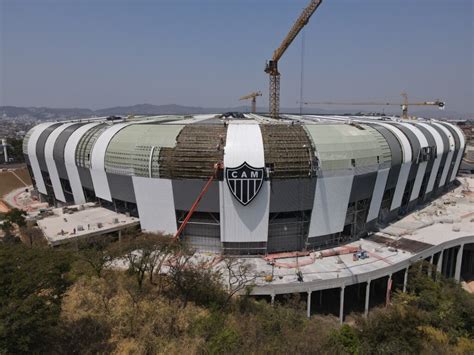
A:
(256, 185)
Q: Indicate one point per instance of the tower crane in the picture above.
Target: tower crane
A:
(252, 96)
(404, 106)
(271, 67)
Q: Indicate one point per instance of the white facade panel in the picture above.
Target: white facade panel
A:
(420, 174)
(449, 157)
(418, 133)
(330, 204)
(35, 167)
(401, 184)
(462, 143)
(405, 167)
(379, 189)
(70, 162)
(439, 155)
(404, 142)
(240, 223)
(51, 164)
(155, 203)
(99, 177)
(447, 164)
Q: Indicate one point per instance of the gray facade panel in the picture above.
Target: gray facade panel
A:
(379, 189)
(41, 143)
(443, 138)
(363, 186)
(61, 142)
(58, 152)
(121, 187)
(393, 143)
(428, 135)
(185, 192)
(292, 195)
(397, 155)
(86, 179)
(412, 138)
(415, 148)
(457, 145)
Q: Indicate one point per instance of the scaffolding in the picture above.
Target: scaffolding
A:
(198, 148)
(288, 151)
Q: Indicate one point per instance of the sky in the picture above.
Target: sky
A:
(103, 53)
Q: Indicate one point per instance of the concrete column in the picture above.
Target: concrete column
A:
(439, 266)
(308, 305)
(367, 298)
(272, 302)
(405, 280)
(430, 266)
(389, 290)
(341, 305)
(457, 272)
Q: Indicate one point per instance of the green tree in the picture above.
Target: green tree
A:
(32, 283)
(7, 227)
(17, 217)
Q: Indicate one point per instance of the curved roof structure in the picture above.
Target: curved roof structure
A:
(299, 182)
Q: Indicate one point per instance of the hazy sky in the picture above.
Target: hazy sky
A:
(101, 53)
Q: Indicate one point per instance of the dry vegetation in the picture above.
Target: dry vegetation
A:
(73, 302)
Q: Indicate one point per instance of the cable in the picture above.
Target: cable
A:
(302, 70)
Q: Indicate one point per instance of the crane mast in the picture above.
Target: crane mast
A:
(271, 67)
(253, 96)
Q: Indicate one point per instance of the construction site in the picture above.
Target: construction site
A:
(334, 207)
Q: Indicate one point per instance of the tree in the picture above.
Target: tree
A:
(17, 217)
(32, 283)
(33, 234)
(238, 274)
(193, 280)
(147, 253)
(97, 255)
(7, 227)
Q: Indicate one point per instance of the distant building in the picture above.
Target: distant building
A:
(301, 182)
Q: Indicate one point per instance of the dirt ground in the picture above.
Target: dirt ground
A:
(3, 207)
(11, 180)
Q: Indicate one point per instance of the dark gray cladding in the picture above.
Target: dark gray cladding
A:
(397, 155)
(292, 195)
(58, 152)
(185, 192)
(431, 143)
(457, 144)
(363, 186)
(86, 178)
(444, 138)
(415, 149)
(41, 143)
(121, 187)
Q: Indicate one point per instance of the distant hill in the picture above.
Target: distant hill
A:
(46, 113)
(43, 113)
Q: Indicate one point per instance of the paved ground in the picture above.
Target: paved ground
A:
(66, 227)
(447, 219)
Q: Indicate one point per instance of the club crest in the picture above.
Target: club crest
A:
(244, 182)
